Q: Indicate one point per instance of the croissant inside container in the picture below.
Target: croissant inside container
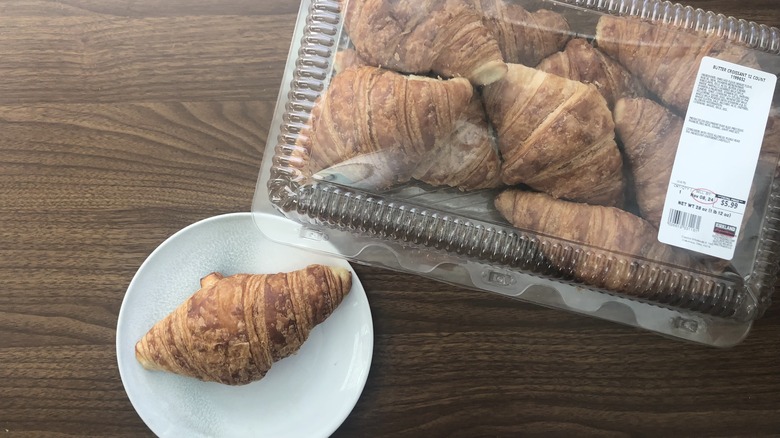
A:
(536, 136)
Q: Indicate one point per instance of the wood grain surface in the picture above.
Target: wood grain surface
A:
(123, 121)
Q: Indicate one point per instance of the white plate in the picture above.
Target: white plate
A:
(308, 394)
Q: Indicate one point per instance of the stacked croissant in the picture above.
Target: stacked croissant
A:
(483, 94)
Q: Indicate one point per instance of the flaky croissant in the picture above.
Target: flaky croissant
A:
(347, 58)
(234, 328)
(555, 135)
(580, 61)
(468, 159)
(376, 129)
(664, 58)
(524, 37)
(591, 228)
(650, 134)
(446, 37)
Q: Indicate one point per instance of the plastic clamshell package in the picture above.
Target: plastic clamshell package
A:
(412, 220)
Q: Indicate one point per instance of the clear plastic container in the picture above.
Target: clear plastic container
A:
(399, 207)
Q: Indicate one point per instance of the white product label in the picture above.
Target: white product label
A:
(716, 158)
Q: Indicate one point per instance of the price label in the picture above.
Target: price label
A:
(716, 158)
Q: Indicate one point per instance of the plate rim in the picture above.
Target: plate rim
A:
(252, 218)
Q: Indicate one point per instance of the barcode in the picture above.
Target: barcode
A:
(686, 221)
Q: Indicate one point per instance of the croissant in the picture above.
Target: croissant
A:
(468, 159)
(770, 148)
(346, 58)
(580, 61)
(446, 37)
(665, 59)
(524, 37)
(555, 135)
(590, 228)
(650, 134)
(377, 128)
(234, 328)
(767, 172)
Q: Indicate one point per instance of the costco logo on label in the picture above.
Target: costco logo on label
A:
(725, 230)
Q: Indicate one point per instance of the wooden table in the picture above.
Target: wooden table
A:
(123, 121)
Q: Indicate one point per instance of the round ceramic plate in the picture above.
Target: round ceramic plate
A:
(308, 394)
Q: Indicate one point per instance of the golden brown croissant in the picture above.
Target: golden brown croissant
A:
(666, 59)
(770, 148)
(524, 37)
(446, 37)
(580, 61)
(345, 59)
(767, 172)
(596, 227)
(555, 135)
(377, 128)
(234, 328)
(468, 159)
(650, 134)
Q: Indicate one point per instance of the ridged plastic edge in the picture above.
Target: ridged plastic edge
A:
(387, 219)
(754, 35)
(764, 279)
(319, 42)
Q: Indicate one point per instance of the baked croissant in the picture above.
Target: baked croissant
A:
(468, 159)
(580, 61)
(376, 128)
(664, 58)
(555, 135)
(650, 134)
(589, 228)
(234, 328)
(347, 58)
(524, 37)
(446, 37)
